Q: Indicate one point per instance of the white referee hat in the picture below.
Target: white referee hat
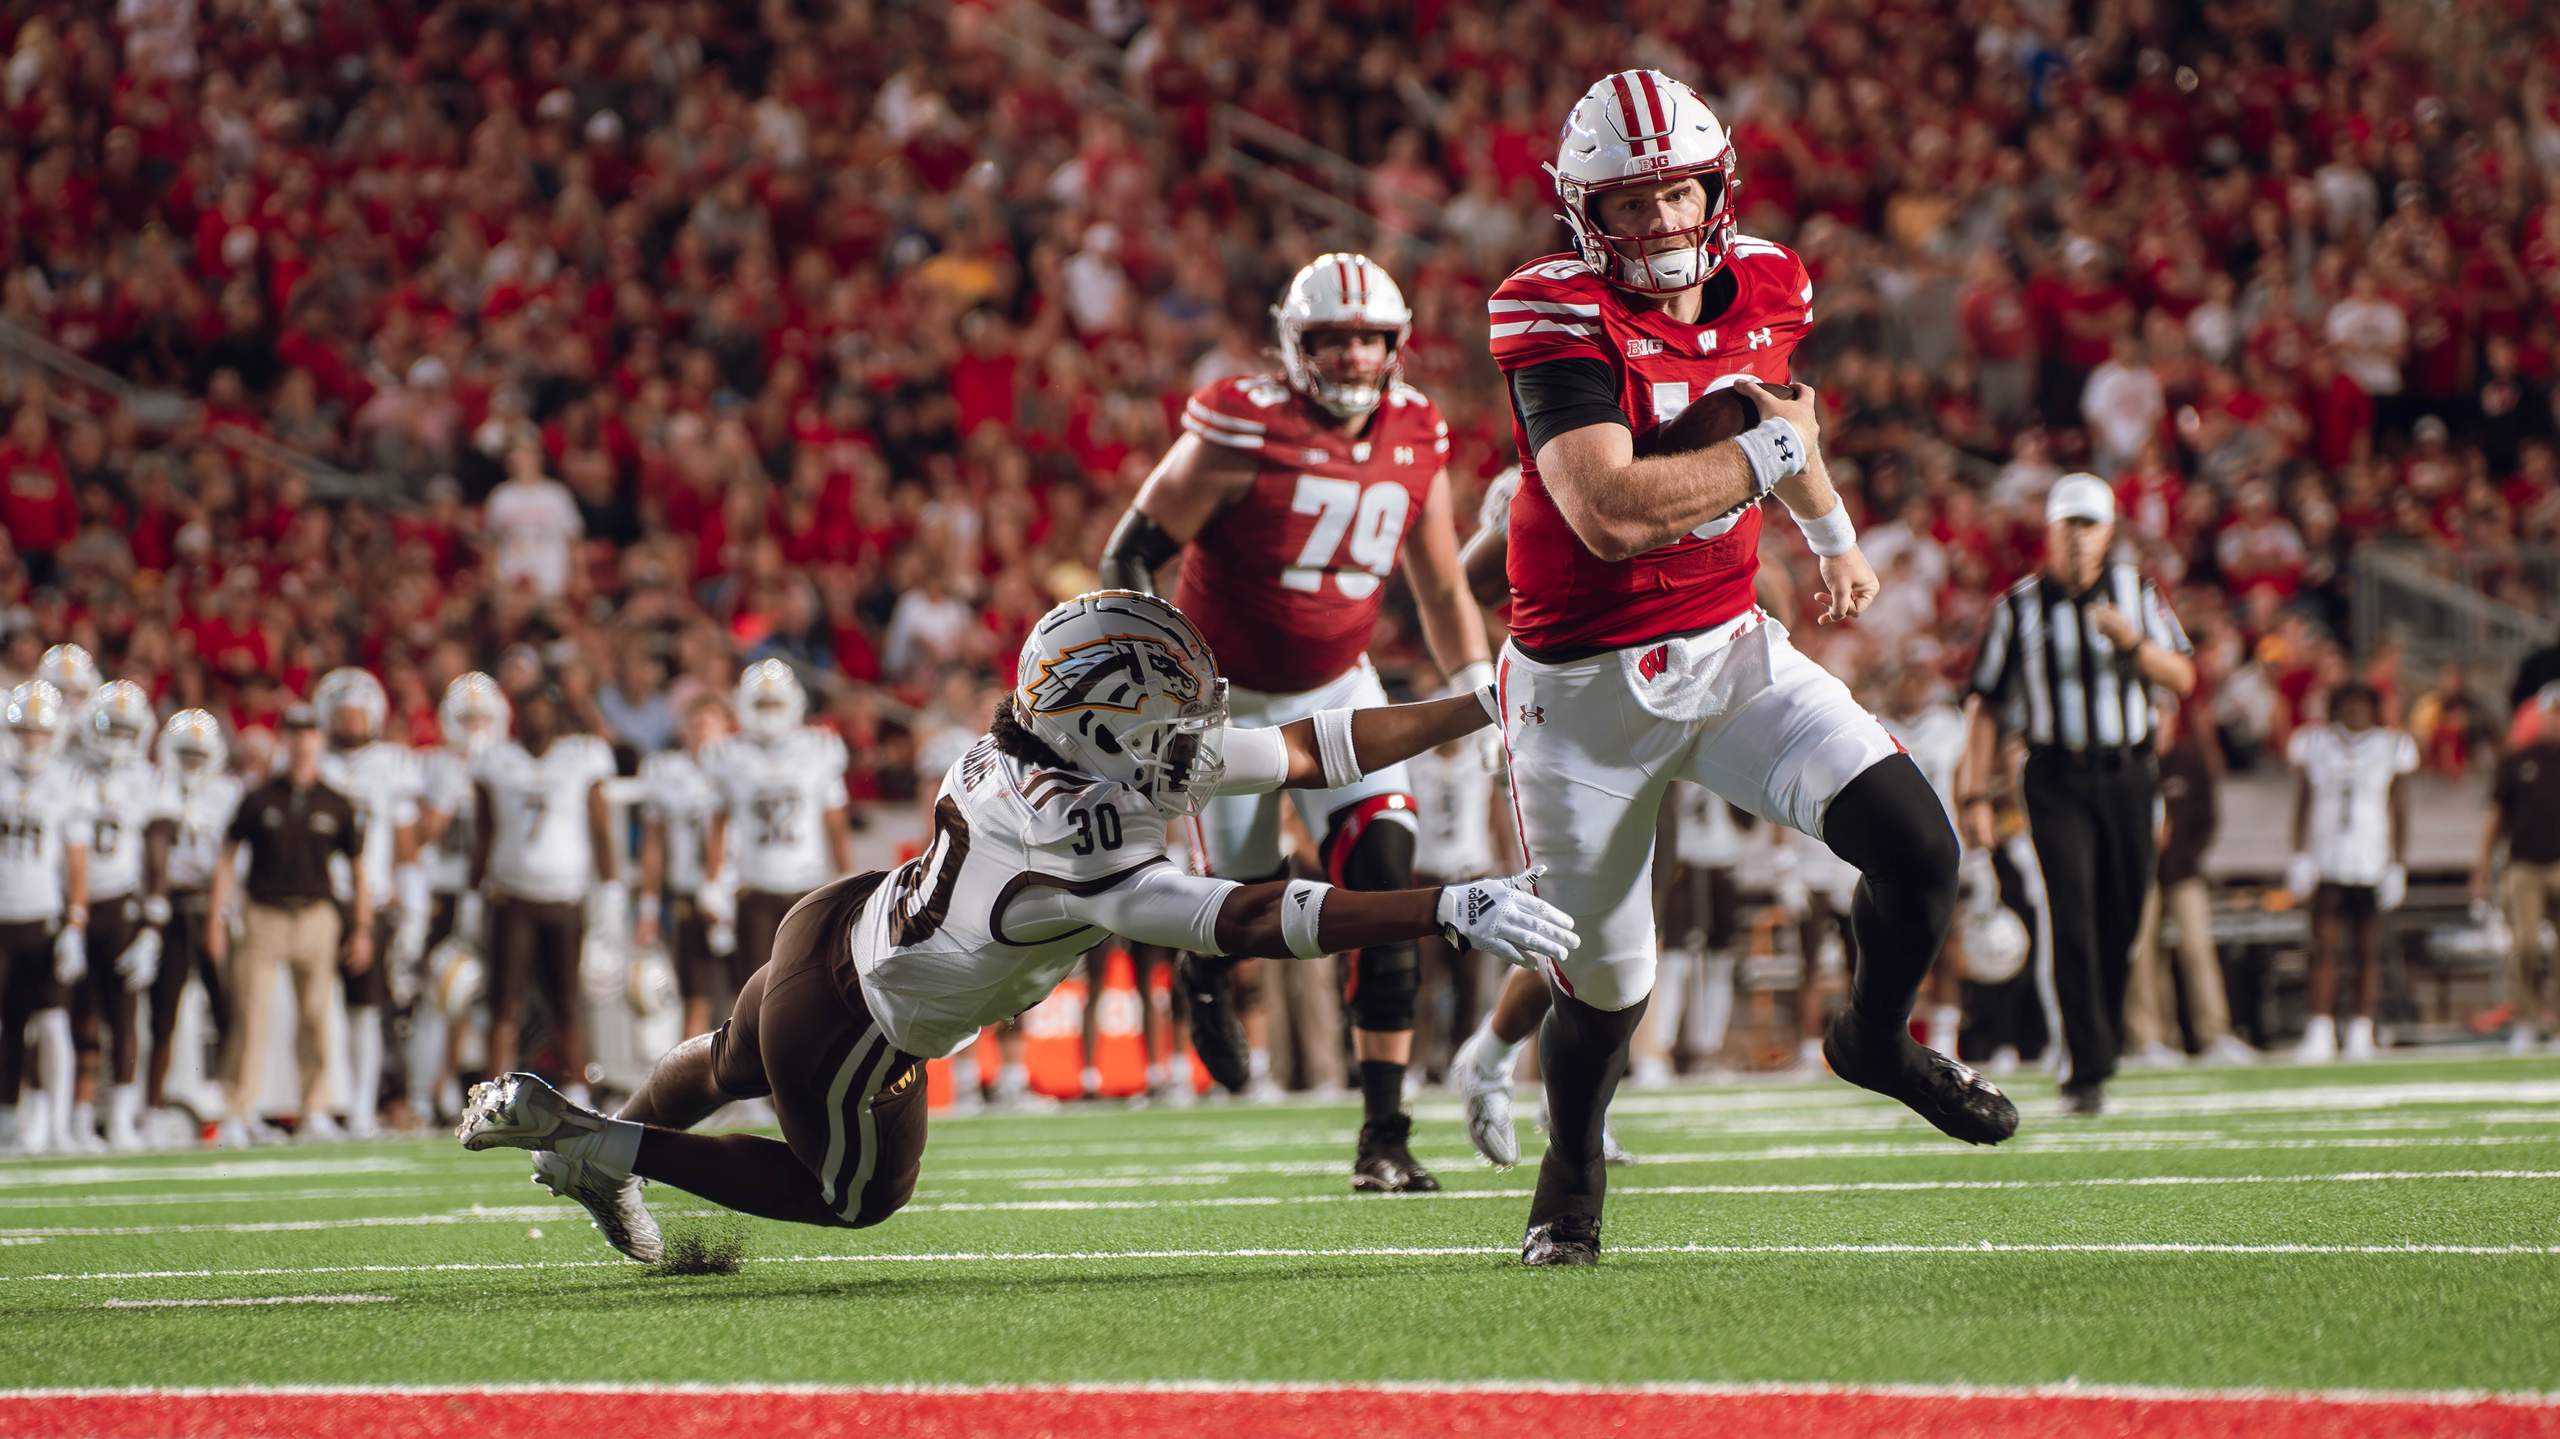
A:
(2080, 497)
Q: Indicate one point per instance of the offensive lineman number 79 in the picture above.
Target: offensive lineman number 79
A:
(1373, 518)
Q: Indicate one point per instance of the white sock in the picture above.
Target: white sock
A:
(1945, 1022)
(1809, 1052)
(1714, 1014)
(964, 1078)
(612, 1149)
(1498, 1055)
(364, 1064)
(1670, 995)
(426, 1054)
(1257, 1064)
(124, 1108)
(55, 1064)
(1015, 1078)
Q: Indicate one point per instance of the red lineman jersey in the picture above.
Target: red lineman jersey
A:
(1286, 580)
(1565, 599)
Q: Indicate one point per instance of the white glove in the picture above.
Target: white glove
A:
(1500, 917)
(140, 962)
(2301, 876)
(2393, 889)
(70, 955)
(718, 901)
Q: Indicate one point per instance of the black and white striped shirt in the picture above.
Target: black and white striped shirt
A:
(2050, 676)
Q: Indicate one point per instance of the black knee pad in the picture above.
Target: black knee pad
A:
(1384, 980)
(1890, 824)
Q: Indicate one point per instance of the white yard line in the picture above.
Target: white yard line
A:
(1982, 1249)
(248, 1303)
(39, 1175)
(522, 1213)
(2068, 1389)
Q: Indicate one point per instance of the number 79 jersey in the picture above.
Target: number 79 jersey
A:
(1285, 581)
(936, 957)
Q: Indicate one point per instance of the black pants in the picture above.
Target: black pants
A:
(2093, 830)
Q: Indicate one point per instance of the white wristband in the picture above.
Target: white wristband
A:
(1830, 533)
(1775, 452)
(1301, 906)
(1473, 675)
(1333, 747)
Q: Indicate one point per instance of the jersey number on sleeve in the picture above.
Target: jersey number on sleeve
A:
(1372, 517)
(924, 884)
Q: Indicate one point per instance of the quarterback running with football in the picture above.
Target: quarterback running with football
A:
(1291, 496)
(1637, 653)
(1049, 838)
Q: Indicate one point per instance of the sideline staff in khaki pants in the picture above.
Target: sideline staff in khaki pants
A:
(2187, 783)
(291, 824)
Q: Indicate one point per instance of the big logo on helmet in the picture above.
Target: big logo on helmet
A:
(1114, 673)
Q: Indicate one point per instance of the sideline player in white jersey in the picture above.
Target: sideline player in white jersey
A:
(545, 836)
(127, 905)
(1637, 655)
(1292, 497)
(780, 830)
(679, 805)
(44, 909)
(1049, 838)
(471, 719)
(380, 779)
(73, 673)
(195, 800)
(2350, 833)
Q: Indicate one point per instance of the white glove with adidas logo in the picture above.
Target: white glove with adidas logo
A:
(1503, 918)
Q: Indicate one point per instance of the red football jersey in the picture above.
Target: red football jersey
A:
(1563, 597)
(1286, 580)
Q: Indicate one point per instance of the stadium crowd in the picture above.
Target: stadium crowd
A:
(664, 338)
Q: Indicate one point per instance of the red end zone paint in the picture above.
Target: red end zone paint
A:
(1272, 1413)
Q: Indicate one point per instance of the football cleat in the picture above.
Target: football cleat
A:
(1960, 1102)
(522, 1112)
(614, 1207)
(1217, 1033)
(2084, 1101)
(1486, 1097)
(1568, 1240)
(1385, 1165)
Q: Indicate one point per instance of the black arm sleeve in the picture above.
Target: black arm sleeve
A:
(1564, 395)
(1138, 547)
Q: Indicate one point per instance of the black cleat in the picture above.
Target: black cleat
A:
(2084, 1101)
(1386, 1165)
(1217, 1034)
(1567, 1239)
(1939, 1090)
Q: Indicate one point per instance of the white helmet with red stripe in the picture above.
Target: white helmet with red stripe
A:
(1641, 127)
(1341, 292)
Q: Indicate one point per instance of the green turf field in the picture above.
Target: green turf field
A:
(2392, 1225)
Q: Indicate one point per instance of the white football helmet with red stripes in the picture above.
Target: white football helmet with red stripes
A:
(1341, 292)
(1641, 127)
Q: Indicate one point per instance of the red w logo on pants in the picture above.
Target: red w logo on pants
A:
(1651, 666)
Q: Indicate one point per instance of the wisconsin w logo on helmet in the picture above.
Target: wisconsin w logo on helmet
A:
(1115, 673)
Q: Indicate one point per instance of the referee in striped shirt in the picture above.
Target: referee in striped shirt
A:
(2068, 663)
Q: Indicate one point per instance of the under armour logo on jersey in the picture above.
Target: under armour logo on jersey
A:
(1642, 346)
(1112, 673)
(1758, 339)
(1654, 662)
(1533, 714)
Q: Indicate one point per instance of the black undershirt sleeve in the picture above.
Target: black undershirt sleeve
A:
(1560, 396)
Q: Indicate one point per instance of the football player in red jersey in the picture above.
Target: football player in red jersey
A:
(1291, 496)
(1637, 654)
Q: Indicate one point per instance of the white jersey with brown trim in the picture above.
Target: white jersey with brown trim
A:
(778, 795)
(43, 811)
(937, 958)
(123, 800)
(540, 847)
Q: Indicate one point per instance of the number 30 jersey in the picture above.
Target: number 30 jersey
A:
(777, 797)
(540, 848)
(1027, 869)
(1285, 581)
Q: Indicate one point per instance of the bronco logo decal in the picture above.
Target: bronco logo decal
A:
(1113, 673)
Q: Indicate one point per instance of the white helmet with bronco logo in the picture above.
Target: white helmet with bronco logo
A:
(1122, 686)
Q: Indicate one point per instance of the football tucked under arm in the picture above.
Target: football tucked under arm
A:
(1711, 419)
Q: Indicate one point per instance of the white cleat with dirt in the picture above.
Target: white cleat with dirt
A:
(520, 1111)
(614, 1206)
